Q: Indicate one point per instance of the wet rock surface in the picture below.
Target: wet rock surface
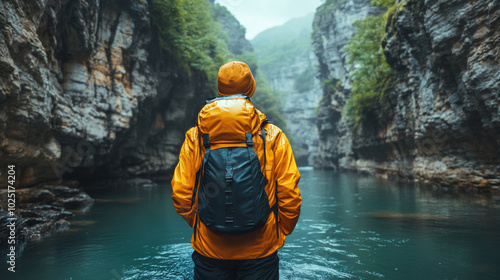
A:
(332, 30)
(88, 94)
(85, 94)
(85, 91)
(441, 123)
(41, 211)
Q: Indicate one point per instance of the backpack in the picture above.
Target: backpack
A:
(230, 185)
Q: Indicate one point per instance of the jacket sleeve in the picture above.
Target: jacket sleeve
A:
(287, 179)
(185, 177)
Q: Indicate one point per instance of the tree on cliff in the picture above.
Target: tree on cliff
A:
(190, 35)
(193, 39)
(372, 74)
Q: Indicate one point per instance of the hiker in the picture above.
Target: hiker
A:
(236, 184)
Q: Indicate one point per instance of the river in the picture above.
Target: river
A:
(351, 227)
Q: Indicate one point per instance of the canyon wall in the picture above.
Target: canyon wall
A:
(86, 93)
(300, 106)
(288, 62)
(332, 29)
(441, 123)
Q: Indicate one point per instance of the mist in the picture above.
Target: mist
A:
(260, 15)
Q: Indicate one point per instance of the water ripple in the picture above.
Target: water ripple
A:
(165, 262)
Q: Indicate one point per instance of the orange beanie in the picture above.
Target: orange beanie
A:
(235, 78)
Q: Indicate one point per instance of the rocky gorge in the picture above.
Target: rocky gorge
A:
(291, 71)
(440, 124)
(86, 92)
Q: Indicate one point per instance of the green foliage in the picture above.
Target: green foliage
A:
(331, 85)
(305, 80)
(190, 35)
(394, 10)
(329, 6)
(249, 59)
(384, 3)
(277, 47)
(272, 57)
(372, 74)
(224, 13)
(193, 39)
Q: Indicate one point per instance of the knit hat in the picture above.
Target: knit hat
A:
(235, 78)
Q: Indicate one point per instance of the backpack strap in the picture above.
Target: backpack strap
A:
(263, 136)
(206, 144)
(276, 204)
(199, 175)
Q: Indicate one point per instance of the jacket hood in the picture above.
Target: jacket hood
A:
(227, 119)
(235, 78)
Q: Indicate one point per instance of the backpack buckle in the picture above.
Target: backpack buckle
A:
(249, 139)
(229, 174)
(206, 143)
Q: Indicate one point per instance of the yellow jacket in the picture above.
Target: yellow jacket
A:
(238, 115)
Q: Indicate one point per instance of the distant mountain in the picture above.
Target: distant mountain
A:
(290, 29)
(277, 46)
(285, 56)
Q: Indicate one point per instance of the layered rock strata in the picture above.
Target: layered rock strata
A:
(440, 125)
(332, 29)
(85, 92)
(299, 107)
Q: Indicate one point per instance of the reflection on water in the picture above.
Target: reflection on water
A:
(351, 227)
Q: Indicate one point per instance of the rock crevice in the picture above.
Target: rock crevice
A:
(85, 93)
(440, 125)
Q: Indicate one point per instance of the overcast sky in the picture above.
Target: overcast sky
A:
(259, 15)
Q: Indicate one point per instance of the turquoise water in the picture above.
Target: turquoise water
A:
(351, 227)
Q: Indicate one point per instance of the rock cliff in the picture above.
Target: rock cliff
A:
(300, 106)
(85, 93)
(236, 41)
(290, 66)
(332, 29)
(440, 125)
(82, 90)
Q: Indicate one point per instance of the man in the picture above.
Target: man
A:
(245, 255)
